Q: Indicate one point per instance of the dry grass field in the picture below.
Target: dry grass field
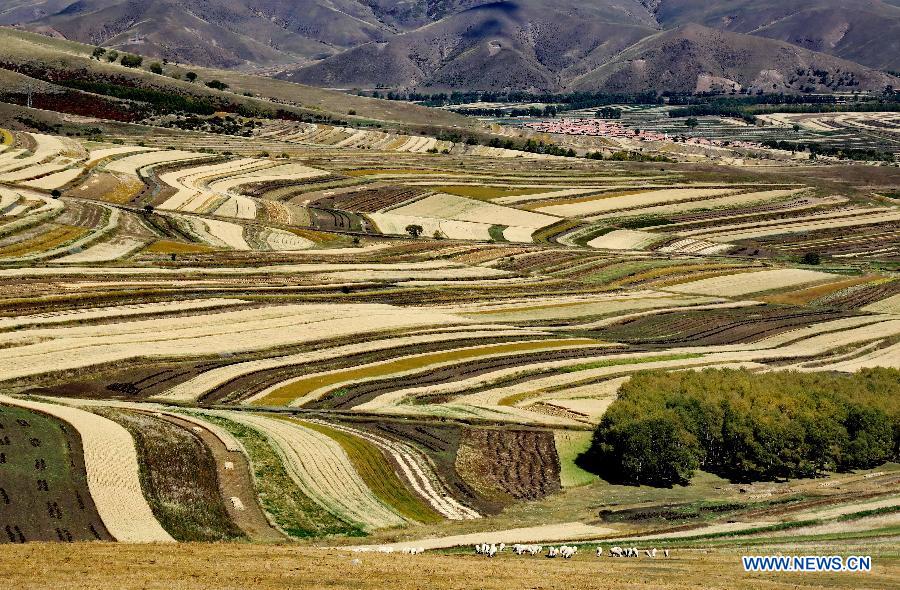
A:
(235, 566)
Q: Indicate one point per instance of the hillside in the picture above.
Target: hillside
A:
(525, 45)
(698, 59)
(840, 28)
(597, 57)
(63, 74)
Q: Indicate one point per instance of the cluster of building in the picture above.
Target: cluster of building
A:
(603, 128)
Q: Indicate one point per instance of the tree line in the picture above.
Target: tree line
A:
(746, 426)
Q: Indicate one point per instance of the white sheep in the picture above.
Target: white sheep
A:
(599, 551)
(665, 552)
(615, 552)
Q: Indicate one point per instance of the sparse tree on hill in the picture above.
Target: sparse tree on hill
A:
(112, 55)
(414, 230)
(190, 77)
(156, 68)
(692, 123)
(97, 53)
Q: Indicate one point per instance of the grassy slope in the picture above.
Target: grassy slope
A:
(18, 46)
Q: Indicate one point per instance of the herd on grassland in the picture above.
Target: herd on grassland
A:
(564, 551)
(492, 549)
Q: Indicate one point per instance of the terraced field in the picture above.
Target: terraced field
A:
(364, 339)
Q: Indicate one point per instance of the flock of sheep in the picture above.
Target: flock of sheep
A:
(564, 551)
(492, 549)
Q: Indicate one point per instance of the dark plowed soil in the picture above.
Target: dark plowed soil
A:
(507, 464)
(441, 443)
(860, 296)
(370, 200)
(354, 395)
(43, 483)
(247, 385)
(711, 327)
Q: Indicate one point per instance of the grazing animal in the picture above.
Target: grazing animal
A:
(616, 552)
(653, 553)
(666, 552)
(553, 552)
(599, 551)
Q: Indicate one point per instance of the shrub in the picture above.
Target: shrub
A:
(217, 84)
(97, 53)
(132, 61)
(190, 76)
(156, 67)
(112, 56)
(812, 258)
(414, 230)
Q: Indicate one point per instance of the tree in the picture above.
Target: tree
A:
(191, 77)
(654, 451)
(414, 230)
(812, 258)
(112, 56)
(692, 123)
(98, 53)
(156, 68)
(55, 193)
(148, 209)
(132, 61)
(217, 84)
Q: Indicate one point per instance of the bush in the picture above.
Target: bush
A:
(112, 55)
(217, 84)
(132, 61)
(746, 426)
(156, 67)
(812, 258)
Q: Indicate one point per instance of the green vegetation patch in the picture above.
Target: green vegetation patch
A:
(496, 233)
(293, 511)
(43, 484)
(746, 426)
(630, 361)
(570, 444)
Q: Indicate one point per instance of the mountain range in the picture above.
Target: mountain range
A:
(608, 45)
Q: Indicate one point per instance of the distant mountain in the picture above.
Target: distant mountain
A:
(529, 45)
(487, 44)
(694, 58)
(864, 31)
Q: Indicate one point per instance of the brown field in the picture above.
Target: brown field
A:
(239, 566)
